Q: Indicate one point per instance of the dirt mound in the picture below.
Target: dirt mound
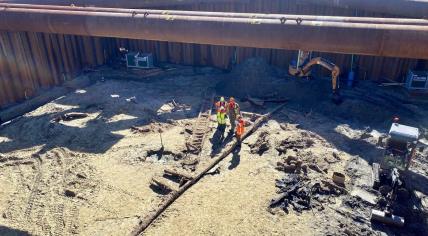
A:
(261, 145)
(253, 77)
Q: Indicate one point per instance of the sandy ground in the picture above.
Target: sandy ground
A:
(91, 176)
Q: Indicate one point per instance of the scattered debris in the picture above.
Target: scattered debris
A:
(308, 150)
(301, 193)
(291, 164)
(338, 178)
(294, 144)
(132, 99)
(153, 127)
(179, 106)
(262, 144)
(141, 130)
(70, 116)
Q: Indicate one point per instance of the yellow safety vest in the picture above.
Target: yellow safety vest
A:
(221, 118)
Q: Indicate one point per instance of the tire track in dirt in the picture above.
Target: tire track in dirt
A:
(57, 212)
(34, 190)
(72, 219)
(45, 209)
(11, 212)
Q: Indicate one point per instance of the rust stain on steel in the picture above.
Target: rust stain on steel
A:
(409, 41)
(254, 16)
(124, 3)
(409, 8)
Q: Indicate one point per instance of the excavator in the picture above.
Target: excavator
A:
(303, 69)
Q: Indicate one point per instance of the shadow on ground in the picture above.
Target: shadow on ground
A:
(7, 231)
(101, 130)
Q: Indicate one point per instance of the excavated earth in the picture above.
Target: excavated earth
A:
(91, 175)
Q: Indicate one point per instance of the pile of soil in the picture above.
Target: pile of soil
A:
(261, 145)
(254, 77)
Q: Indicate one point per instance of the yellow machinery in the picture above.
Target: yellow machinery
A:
(304, 65)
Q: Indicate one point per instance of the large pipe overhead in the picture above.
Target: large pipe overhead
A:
(227, 14)
(121, 3)
(408, 8)
(378, 39)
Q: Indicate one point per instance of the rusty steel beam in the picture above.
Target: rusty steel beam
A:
(404, 21)
(392, 40)
(121, 3)
(408, 8)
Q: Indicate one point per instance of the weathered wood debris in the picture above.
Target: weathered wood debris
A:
(302, 193)
(147, 220)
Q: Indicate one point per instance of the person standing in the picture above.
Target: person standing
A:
(240, 128)
(221, 103)
(233, 113)
(221, 121)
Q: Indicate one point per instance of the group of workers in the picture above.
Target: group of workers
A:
(230, 109)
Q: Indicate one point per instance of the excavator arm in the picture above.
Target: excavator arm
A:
(335, 71)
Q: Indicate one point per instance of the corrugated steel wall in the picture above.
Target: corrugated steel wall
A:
(374, 68)
(32, 61)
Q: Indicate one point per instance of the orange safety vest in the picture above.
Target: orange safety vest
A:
(240, 128)
(233, 107)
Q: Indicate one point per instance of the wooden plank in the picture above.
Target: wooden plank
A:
(163, 183)
(178, 173)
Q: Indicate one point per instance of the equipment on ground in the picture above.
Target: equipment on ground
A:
(139, 60)
(390, 174)
(417, 81)
(304, 65)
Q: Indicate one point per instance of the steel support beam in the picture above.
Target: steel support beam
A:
(121, 3)
(408, 8)
(410, 41)
(400, 21)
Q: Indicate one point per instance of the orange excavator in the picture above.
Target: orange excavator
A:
(303, 69)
